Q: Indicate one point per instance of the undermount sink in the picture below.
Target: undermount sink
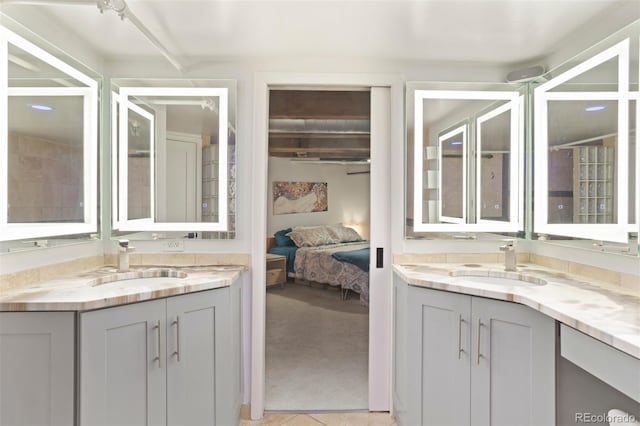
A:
(148, 277)
(499, 278)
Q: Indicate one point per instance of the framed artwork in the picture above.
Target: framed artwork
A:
(299, 197)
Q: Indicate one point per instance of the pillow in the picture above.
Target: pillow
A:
(282, 240)
(344, 234)
(311, 236)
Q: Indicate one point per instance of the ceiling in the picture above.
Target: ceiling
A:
(483, 31)
(496, 32)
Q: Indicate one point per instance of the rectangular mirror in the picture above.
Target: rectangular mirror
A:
(465, 158)
(452, 198)
(48, 144)
(586, 149)
(175, 159)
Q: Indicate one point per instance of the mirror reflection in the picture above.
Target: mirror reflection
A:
(180, 160)
(453, 149)
(464, 150)
(49, 144)
(493, 163)
(586, 147)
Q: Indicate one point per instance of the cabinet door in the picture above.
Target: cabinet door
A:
(37, 353)
(203, 380)
(513, 369)
(122, 365)
(439, 341)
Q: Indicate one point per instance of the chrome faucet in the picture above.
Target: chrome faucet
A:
(509, 250)
(123, 255)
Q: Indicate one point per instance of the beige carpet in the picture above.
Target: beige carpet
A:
(316, 350)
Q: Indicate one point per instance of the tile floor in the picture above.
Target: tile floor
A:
(328, 419)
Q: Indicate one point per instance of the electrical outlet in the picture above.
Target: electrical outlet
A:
(173, 245)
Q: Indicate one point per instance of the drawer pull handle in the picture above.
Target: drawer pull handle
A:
(480, 324)
(176, 322)
(157, 358)
(460, 321)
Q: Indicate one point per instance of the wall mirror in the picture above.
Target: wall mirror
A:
(586, 145)
(174, 158)
(48, 144)
(464, 158)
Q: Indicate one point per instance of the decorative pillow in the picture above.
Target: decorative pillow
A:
(281, 238)
(311, 236)
(344, 234)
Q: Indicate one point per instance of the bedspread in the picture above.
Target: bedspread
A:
(317, 264)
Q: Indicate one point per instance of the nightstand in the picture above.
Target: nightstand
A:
(276, 269)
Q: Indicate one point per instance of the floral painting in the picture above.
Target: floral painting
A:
(299, 197)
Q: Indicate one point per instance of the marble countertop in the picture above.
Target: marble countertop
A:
(105, 286)
(603, 311)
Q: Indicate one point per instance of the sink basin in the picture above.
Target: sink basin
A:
(148, 277)
(503, 281)
(498, 278)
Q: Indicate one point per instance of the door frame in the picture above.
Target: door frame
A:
(384, 160)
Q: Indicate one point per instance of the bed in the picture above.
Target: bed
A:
(326, 254)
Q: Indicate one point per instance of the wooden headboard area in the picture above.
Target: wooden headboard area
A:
(271, 242)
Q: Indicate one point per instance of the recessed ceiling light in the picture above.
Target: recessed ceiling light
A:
(594, 108)
(456, 142)
(40, 107)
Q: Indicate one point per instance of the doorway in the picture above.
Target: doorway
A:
(317, 321)
(386, 129)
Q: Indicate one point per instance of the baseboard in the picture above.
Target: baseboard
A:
(245, 412)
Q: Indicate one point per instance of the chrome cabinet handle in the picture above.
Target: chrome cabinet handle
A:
(460, 321)
(157, 358)
(478, 353)
(176, 322)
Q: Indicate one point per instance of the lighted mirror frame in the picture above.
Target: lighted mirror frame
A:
(20, 230)
(116, 155)
(464, 131)
(516, 173)
(615, 232)
(125, 96)
(515, 223)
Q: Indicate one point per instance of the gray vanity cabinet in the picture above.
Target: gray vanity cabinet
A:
(123, 366)
(37, 361)
(173, 361)
(473, 361)
(204, 358)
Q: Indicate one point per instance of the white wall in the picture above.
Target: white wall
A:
(348, 195)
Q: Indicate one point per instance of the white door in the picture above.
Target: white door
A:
(182, 181)
(380, 273)
(385, 90)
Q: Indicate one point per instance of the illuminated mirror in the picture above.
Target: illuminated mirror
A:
(452, 198)
(174, 159)
(586, 149)
(48, 144)
(464, 159)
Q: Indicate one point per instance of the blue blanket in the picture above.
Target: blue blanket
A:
(289, 251)
(360, 257)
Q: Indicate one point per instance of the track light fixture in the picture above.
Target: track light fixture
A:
(118, 6)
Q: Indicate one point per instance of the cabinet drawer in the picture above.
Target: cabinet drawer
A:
(275, 276)
(616, 368)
